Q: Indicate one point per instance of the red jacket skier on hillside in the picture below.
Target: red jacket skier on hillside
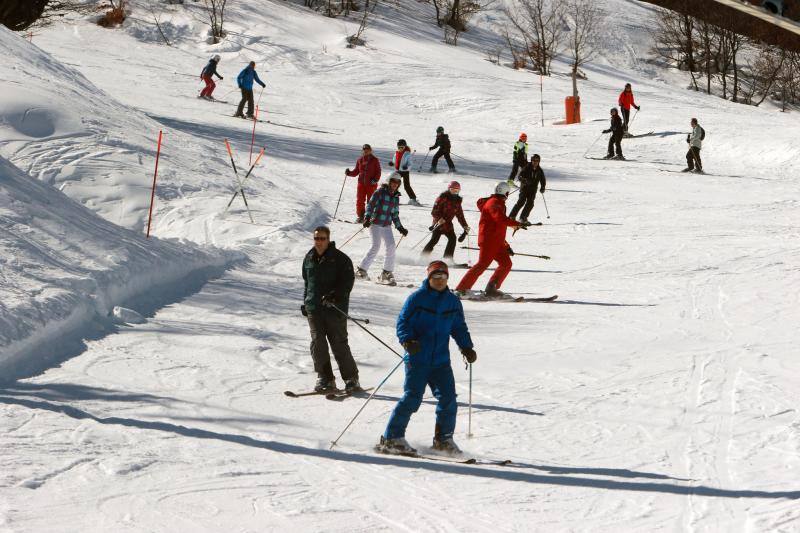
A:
(626, 101)
(492, 241)
(368, 170)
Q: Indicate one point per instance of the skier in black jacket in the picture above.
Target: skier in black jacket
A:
(328, 279)
(617, 131)
(531, 178)
(443, 143)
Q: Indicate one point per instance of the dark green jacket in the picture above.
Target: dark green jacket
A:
(331, 272)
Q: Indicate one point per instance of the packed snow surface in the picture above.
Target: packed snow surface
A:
(659, 392)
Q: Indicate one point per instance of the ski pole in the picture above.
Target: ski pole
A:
(259, 95)
(464, 158)
(469, 247)
(240, 182)
(340, 196)
(431, 230)
(419, 169)
(515, 253)
(396, 246)
(335, 441)
(545, 206)
(592, 145)
(469, 423)
(351, 238)
(368, 331)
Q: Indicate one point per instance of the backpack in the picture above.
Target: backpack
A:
(702, 134)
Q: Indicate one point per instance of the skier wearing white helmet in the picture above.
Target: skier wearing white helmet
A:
(492, 242)
(383, 210)
(205, 75)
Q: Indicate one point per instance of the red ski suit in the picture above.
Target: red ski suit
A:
(492, 242)
(368, 170)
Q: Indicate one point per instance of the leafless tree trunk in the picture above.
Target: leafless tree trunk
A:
(540, 25)
(216, 14)
(586, 25)
(675, 41)
(356, 40)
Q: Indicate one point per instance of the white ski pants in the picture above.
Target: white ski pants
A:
(378, 234)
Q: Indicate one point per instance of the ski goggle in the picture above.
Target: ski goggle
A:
(439, 275)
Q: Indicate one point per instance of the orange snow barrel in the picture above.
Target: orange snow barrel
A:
(573, 108)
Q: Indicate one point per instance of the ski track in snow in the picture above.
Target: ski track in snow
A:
(657, 393)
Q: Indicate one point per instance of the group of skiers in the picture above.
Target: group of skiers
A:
(244, 81)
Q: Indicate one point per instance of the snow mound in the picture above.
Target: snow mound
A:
(63, 267)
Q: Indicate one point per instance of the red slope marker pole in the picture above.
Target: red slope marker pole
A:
(253, 139)
(153, 192)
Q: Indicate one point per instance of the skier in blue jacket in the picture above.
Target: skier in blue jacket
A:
(430, 316)
(245, 81)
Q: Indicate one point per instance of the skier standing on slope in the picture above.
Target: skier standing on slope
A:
(245, 80)
(206, 75)
(531, 178)
(328, 280)
(368, 170)
(625, 103)
(520, 158)
(446, 207)
(402, 164)
(443, 143)
(695, 140)
(615, 141)
(383, 210)
(430, 316)
(492, 242)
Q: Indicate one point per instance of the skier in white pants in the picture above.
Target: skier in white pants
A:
(383, 210)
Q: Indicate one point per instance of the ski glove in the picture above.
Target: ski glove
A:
(510, 251)
(524, 224)
(303, 310)
(541, 190)
(463, 235)
(329, 299)
(403, 231)
(347, 172)
(469, 355)
(606, 131)
(221, 78)
(638, 108)
(412, 347)
(431, 228)
(367, 222)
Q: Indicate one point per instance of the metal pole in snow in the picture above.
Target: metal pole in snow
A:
(253, 139)
(153, 192)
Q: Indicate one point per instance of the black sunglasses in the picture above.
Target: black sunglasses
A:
(320, 238)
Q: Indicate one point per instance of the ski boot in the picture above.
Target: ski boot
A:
(434, 171)
(387, 278)
(699, 171)
(238, 115)
(352, 385)
(398, 446)
(492, 291)
(619, 157)
(687, 169)
(325, 384)
(361, 273)
(609, 156)
(447, 446)
(451, 170)
(414, 202)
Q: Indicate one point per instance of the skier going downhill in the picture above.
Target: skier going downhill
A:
(446, 207)
(625, 103)
(402, 164)
(520, 158)
(695, 140)
(246, 77)
(383, 210)
(443, 143)
(328, 279)
(368, 170)
(531, 178)
(430, 316)
(206, 75)
(492, 242)
(615, 141)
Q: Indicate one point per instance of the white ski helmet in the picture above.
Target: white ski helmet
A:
(394, 176)
(502, 188)
(216, 58)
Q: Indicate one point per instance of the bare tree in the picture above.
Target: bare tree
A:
(216, 14)
(461, 11)
(674, 39)
(517, 52)
(587, 21)
(540, 26)
(356, 40)
(765, 71)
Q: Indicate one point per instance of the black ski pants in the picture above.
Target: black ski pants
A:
(692, 157)
(247, 96)
(626, 115)
(514, 171)
(615, 142)
(330, 326)
(449, 250)
(406, 175)
(527, 194)
(446, 155)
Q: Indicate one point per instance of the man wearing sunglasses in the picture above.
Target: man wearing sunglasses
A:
(328, 279)
(430, 316)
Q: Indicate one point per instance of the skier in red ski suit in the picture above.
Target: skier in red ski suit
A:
(368, 170)
(492, 241)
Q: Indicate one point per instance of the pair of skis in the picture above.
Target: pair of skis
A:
(240, 182)
(330, 394)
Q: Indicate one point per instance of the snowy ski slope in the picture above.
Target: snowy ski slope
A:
(656, 394)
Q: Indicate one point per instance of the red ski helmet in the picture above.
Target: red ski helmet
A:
(454, 185)
(523, 136)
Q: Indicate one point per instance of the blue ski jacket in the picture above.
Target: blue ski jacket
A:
(432, 317)
(246, 78)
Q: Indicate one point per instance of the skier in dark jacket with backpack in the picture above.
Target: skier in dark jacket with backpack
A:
(531, 178)
(430, 316)
(615, 141)
(206, 75)
(447, 207)
(328, 279)
(443, 143)
(695, 140)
